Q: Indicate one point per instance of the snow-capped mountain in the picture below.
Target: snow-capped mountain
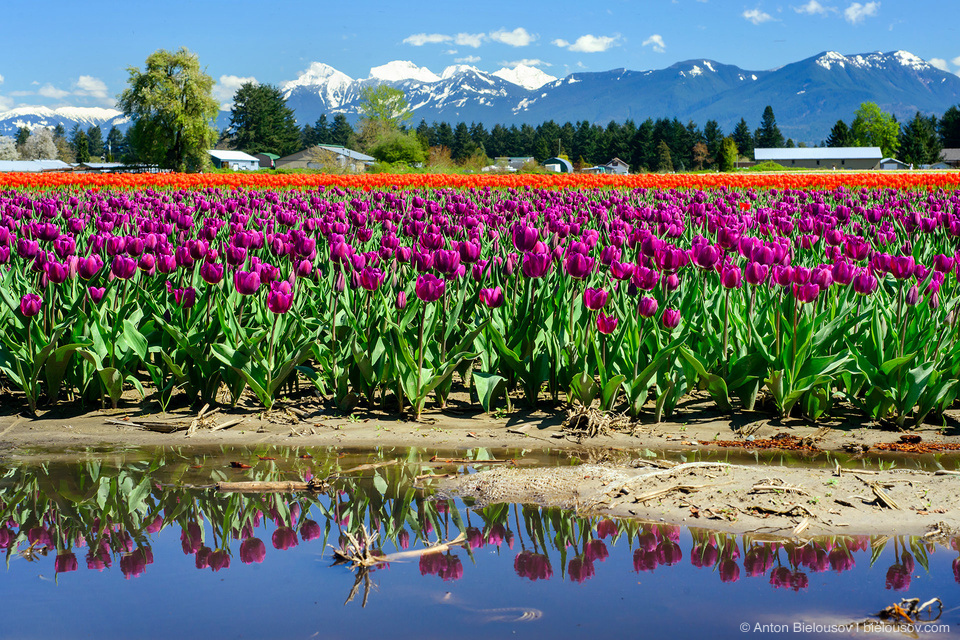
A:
(86, 117)
(808, 96)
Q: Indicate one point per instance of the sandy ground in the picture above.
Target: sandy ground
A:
(765, 498)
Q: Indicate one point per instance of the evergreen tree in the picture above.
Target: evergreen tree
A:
(341, 133)
(584, 142)
(949, 128)
(479, 136)
(425, 134)
(664, 162)
(95, 142)
(23, 134)
(919, 142)
(463, 146)
(643, 148)
(261, 121)
(840, 135)
(308, 137)
(743, 138)
(713, 136)
(80, 144)
(115, 144)
(499, 142)
(445, 136)
(768, 135)
(321, 130)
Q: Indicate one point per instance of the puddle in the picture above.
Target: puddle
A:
(138, 545)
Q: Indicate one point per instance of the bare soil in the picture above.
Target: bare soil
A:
(808, 492)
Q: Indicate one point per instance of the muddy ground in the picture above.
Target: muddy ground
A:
(806, 497)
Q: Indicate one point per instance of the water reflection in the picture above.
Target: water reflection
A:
(108, 518)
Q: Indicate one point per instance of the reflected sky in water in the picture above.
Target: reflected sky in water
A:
(526, 572)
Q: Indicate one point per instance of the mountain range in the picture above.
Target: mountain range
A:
(808, 96)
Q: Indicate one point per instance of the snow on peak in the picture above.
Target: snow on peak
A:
(457, 69)
(907, 59)
(318, 73)
(830, 58)
(402, 70)
(696, 70)
(525, 76)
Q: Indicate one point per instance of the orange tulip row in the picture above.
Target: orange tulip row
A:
(812, 180)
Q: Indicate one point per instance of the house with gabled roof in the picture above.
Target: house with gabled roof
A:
(822, 157)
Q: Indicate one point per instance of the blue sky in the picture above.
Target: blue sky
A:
(76, 52)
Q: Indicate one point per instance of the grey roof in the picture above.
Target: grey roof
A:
(33, 166)
(567, 166)
(232, 156)
(950, 155)
(819, 153)
(349, 153)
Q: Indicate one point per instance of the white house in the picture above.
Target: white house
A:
(822, 157)
(236, 160)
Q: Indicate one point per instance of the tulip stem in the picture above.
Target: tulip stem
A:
(273, 335)
(418, 401)
(726, 329)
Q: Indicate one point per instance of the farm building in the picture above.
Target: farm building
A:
(267, 160)
(33, 166)
(326, 156)
(822, 157)
(892, 164)
(236, 160)
(507, 163)
(951, 157)
(560, 165)
(614, 167)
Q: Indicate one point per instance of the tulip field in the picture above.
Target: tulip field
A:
(792, 294)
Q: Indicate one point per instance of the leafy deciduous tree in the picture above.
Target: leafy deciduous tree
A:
(872, 127)
(173, 110)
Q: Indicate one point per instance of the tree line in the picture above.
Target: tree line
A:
(172, 109)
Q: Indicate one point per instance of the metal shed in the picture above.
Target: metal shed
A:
(822, 157)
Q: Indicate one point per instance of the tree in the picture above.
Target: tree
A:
(767, 135)
(743, 138)
(64, 150)
(664, 163)
(874, 128)
(341, 133)
(81, 149)
(400, 146)
(463, 145)
(840, 135)
(700, 155)
(115, 144)
(728, 154)
(949, 128)
(8, 148)
(23, 134)
(95, 141)
(39, 146)
(919, 142)
(385, 104)
(261, 121)
(714, 140)
(173, 110)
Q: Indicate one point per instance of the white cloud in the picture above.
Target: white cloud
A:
(530, 62)
(857, 12)
(470, 39)
(814, 8)
(956, 61)
(756, 16)
(589, 43)
(420, 39)
(467, 60)
(1, 79)
(5, 103)
(50, 91)
(226, 87)
(939, 63)
(519, 37)
(92, 87)
(656, 41)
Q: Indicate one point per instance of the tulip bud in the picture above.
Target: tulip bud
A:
(402, 300)
(30, 304)
(670, 318)
(606, 324)
(647, 307)
(913, 296)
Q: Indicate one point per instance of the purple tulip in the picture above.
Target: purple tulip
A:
(670, 318)
(429, 288)
(211, 272)
(706, 256)
(594, 299)
(578, 265)
(525, 237)
(536, 265)
(731, 277)
(96, 294)
(865, 283)
(606, 324)
(280, 298)
(123, 267)
(252, 550)
(185, 297)
(371, 278)
(401, 300)
(246, 282)
(65, 562)
(647, 307)
(55, 272)
(493, 298)
(806, 292)
(30, 304)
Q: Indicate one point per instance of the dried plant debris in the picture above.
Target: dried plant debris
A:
(588, 422)
(780, 441)
(918, 447)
